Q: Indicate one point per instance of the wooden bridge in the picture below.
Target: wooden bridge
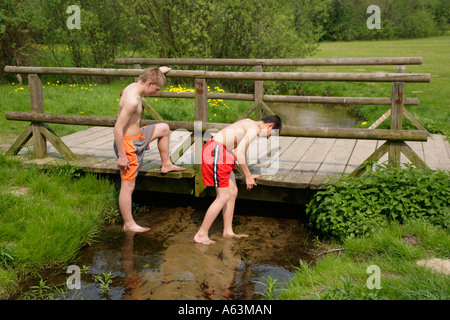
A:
(301, 158)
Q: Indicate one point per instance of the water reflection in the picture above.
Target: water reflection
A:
(166, 264)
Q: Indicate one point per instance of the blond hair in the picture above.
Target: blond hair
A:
(155, 75)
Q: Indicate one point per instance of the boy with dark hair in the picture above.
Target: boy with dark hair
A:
(218, 166)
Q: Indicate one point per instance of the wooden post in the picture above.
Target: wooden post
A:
(37, 106)
(259, 91)
(201, 100)
(398, 98)
(201, 114)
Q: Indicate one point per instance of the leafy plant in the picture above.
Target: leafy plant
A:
(353, 207)
(104, 280)
(271, 287)
(7, 254)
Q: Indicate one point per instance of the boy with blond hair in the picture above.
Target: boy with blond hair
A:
(131, 140)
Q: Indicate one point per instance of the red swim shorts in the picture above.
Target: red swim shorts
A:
(217, 164)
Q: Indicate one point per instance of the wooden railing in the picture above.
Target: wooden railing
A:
(395, 137)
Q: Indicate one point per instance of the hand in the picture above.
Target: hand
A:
(165, 69)
(250, 181)
(123, 163)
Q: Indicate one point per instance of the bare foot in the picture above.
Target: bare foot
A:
(135, 228)
(234, 235)
(170, 168)
(203, 240)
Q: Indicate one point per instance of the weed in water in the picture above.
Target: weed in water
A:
(271, 288)
(104, 280)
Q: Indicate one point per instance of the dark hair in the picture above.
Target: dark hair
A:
(273, 119)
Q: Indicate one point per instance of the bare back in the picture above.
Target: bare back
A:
(232, 135)
(130, 109)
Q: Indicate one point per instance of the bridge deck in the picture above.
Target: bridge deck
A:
(296, 162)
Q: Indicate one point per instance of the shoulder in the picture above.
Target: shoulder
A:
(129, 98)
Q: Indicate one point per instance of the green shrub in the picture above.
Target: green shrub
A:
(353, 207)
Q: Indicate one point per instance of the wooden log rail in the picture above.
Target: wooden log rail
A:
(291, 131)
(395, 137)
(230, 75)
(273, 62)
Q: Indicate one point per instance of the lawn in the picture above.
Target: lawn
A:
(434, 109)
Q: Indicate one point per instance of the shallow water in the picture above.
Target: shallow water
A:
(166, 264)
(314, 115)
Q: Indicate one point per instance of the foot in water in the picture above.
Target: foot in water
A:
(234, 235)
(135, 228)
(203, 240)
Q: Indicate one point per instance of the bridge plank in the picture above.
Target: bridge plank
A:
(362, 150)
(434, 150)
(310, 163)
(335, 162)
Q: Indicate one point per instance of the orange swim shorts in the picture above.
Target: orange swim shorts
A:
(135, 147)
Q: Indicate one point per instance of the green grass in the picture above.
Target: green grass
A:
(400, 278)
(434, 109)
(46, 217)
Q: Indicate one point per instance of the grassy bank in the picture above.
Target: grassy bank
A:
(434, 109)
(46, 217)
(395, 250)
(386, 222)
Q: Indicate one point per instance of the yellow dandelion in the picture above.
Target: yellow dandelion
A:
(364, 123)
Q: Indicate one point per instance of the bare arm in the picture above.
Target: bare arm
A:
(241, 150)
(119, 132)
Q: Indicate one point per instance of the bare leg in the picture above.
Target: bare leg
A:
(211, 214)
(228, 211)
(125, 202)
(162, 133)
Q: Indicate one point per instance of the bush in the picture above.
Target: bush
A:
(353, 207)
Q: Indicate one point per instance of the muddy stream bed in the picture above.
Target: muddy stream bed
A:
(165, 264)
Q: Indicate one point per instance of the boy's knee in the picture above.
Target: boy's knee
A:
(128, 186)
(233, 191)
(163, 128)
(223, 197)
